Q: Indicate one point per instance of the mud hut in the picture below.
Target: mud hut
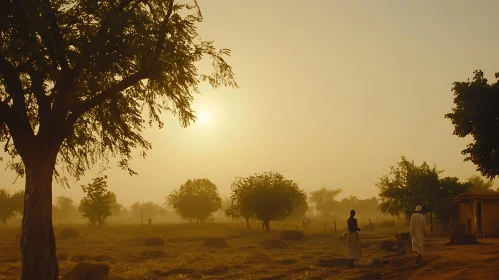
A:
(476, 213)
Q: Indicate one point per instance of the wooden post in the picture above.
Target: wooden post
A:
(334, 226)
(141, 219)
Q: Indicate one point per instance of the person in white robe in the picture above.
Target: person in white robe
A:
(418, 231)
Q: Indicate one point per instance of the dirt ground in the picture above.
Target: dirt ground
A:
(254, 254)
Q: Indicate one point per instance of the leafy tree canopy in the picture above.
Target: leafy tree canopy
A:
(148, 209)
(195, 200)
(267, 196)
(480, 185)
(98, 201)
(475, 114)
(324, 200)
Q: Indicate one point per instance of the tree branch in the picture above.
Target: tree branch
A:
(42, 100)
(163, 29)
(60, 46)
(107, 94)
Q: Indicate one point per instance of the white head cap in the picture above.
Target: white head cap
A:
(419, 208)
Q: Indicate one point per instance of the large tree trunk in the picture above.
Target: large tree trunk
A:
(247, 222)
(37, 237)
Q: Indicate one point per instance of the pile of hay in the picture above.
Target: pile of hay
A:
(370, 275)
(68, 234)
(85, 270)
(332, 262)
(216, 242)
(466, 238)
(394, 245)
(273, 244)
(291, 235)
(152, 254)
(153, 241)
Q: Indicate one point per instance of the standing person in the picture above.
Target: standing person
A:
(353, 251)
(418, 231)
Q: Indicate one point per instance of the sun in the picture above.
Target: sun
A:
(204, 117)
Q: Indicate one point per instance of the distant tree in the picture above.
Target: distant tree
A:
(64, 209)
(98, 202)
(148, 209)
(118, 210)
(407, 186)
(479, 185)
(17, 200)
(475, 114)
(195, 200)
(235, 211)
(324, 201)
(74, 79)
(449, 187)
(162, 212)
(300, 210)
(6, 209)
(267, 196)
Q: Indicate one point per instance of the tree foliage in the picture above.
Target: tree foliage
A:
(267, 197)
(196, 199)
(98, 201)
(409, 185)
(475, 114)
(80, 73)
(10, 204)
(480, 185)
(64, 209)
(148, 209)
(324, 200)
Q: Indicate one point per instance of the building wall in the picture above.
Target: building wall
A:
(490, 216)
(465, 213)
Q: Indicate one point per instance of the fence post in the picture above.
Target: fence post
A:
(335, 226)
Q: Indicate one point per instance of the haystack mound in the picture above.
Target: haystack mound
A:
(370, 276)
(273, 244)
(392, 245)
(332, 262)
(217, 242)
(154, 241)
(291, 235)
(85, 270)
(152, 254)
(406, 236)
(68, 234)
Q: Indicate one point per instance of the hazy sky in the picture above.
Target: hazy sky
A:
(332, 94)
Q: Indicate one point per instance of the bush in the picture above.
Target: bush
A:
(85, 270)
(217, 242)
(68, 234)
(291, 235)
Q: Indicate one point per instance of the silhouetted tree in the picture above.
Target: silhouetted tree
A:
(17, 200)
(235, 211)
(479, 185)
(449, 187)
(74, 79)
(475, 114)
(98, 201)
(148, 209)
(195, 200)
(407, 186)
(64, 208)
(267, 196)
(324, 200)
(6, 209)
(118, 210)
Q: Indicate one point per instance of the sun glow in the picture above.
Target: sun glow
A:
(204, 117)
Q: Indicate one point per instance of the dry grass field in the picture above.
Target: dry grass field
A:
(252, 254)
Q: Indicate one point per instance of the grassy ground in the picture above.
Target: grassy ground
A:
(318, 256)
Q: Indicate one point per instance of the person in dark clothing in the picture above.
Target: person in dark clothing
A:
(353, 252)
